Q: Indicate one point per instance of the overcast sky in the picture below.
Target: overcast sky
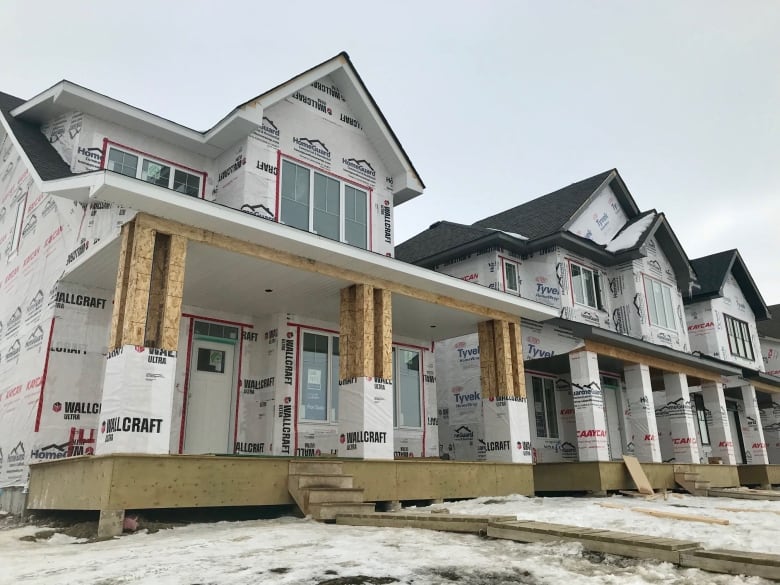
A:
(495, 102)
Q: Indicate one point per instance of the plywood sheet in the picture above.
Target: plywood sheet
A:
(639, 477)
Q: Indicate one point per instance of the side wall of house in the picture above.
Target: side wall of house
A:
(52, 335)
(707, 326)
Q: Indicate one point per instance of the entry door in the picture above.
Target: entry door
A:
(736, 435)
(209, 398)
(610, 388)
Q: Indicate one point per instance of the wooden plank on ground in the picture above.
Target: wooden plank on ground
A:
(639, 477)
(676, 516)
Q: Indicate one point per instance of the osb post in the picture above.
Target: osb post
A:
(383, 334)
(487, 359)
(120, 292)
(356, 324)
(505, 385)
(518, 368)
(166, 290)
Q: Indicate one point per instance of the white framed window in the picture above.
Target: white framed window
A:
(319, 401)
(701, 417)
(659, 303)
(586, 285)
(739, 338)
(320, 203)
(511, 279)
(545, 409)
(407, 388)
(130, 163)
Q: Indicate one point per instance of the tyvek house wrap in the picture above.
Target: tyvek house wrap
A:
(47, 413)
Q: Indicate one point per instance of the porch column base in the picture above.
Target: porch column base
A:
(111, 523)
(770, 422)
(752, 433)
(507, 430)
(679, 412)
(366, 418)
(718, 422)
(592, 443)
(641, 413)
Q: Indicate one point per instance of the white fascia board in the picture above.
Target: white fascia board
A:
(158, 201)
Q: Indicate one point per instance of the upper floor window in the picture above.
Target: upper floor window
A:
(157, 172)
(545, 411)
(511, 281)
(739, 338)
(586, 284)
(324, 205)
(659, 303)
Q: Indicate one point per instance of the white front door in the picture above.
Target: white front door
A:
(209, 398)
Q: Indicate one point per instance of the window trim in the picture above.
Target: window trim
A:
(507, 262)
(281, 157)
(598, 288)
(645, 278)
(142, 155)
(744, 329)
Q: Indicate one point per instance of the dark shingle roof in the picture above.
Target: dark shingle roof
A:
(712, 271)
(547, 214)
(47, 162)
(440, 237)
(770, 327)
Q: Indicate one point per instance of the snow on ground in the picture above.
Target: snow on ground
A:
(746, 530)
(295, 551)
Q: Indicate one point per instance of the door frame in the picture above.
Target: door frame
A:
(235, 399)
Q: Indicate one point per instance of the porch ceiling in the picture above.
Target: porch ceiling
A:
(223, 281)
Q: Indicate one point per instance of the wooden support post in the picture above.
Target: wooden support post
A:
(159, 274)
(174, 293)
(346, 327)
(383, 334)
(503, 359)
(487, 360)
(120, 292)
(138, 283)
(518, 368)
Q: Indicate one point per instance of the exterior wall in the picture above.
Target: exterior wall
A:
(770, 353)
(601, 220)
(483, 268)
(52, 335)
(707, 327)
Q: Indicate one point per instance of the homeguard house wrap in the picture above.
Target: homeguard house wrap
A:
(169, 291)
(645, 358)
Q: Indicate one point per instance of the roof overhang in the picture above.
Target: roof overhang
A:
(200, 214)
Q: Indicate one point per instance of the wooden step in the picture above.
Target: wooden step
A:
(341, 495)
(319, 480)
(299, 467)
(329, 510)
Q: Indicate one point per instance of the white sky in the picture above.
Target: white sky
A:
(495, 102)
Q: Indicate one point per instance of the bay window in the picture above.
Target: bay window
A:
(323, 205)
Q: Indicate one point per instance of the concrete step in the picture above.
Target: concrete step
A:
(319, 480)
(329, 510)
(340, 495)
(298, 467)
(687, 476)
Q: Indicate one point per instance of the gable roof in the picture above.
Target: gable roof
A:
(443, 237)
(45, 160)
(712, 272)
(66, 96)
(770, 327)
(549, 213)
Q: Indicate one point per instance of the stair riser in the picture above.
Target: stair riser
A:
(329, 511)
(320, 497)
(315, 467)
(324, 481)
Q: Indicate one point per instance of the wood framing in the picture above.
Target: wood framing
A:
(137, 290)
(505, 385)
(518, 368)
(383, 334)
(487, 359)
(294, 261)
(356, 324)
(665, 365)
(120, 292)
(759, 385)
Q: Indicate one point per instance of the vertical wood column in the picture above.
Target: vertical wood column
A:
(366, 333)
(501, 359)
(149, 288)
(383, 334)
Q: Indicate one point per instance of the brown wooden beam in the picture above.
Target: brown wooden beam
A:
(294, 261)
(665, 365)
(759, 385)
(505, 384)
(383, 334)
(174, 293)
(346, 327)
(518, 367)
(120, 291)
(487, 359)
(154, 310)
